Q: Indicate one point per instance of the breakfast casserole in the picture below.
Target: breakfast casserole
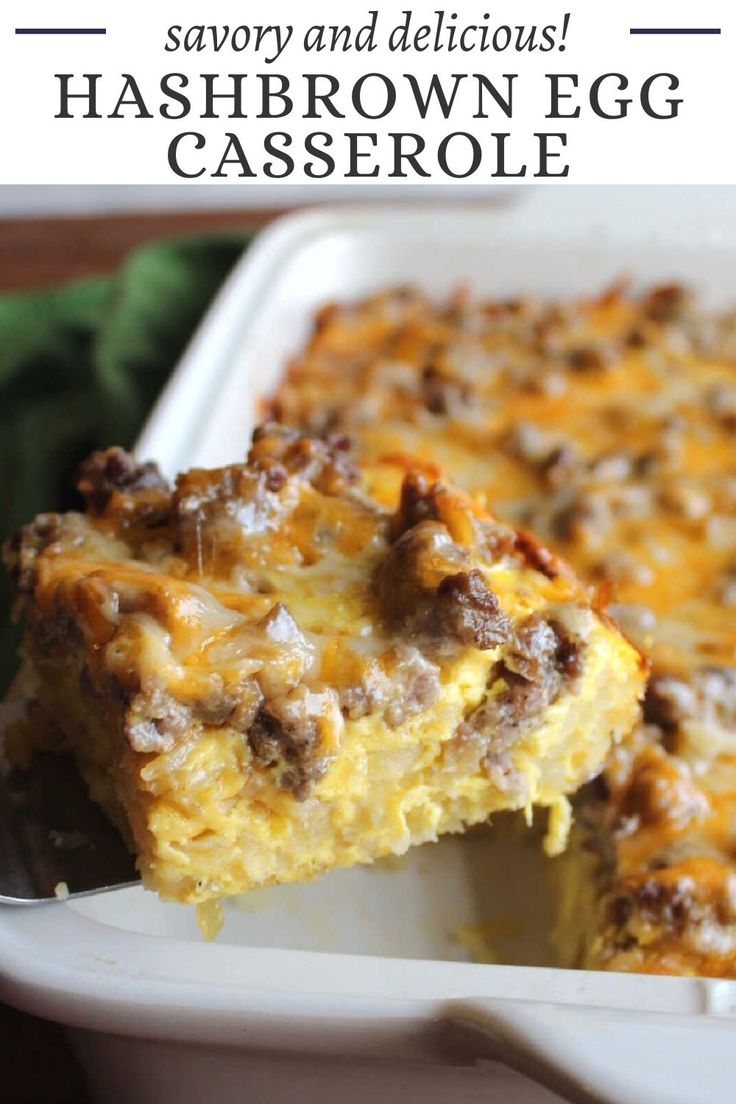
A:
(606, 426)
(263, 672)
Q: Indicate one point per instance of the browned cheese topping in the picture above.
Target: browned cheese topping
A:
(604, 425)
(207, 603)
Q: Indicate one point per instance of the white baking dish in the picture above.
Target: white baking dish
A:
(358, 986)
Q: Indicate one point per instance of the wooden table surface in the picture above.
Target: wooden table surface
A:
(45, 251)
(37, 1066)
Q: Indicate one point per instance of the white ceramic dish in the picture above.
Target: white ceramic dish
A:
(357, 986)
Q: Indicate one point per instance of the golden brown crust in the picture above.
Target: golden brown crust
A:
(661, 842)
(605, 426)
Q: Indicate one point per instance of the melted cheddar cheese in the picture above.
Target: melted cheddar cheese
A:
(606, 426)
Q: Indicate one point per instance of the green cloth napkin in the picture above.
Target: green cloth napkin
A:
(80, 366)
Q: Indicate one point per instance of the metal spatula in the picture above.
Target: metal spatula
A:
(53, 840)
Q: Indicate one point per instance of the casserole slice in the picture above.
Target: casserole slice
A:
(263, 674)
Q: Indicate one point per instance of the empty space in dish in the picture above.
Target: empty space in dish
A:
(486, 895)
